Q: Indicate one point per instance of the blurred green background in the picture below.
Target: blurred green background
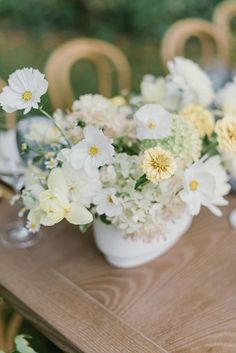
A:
(31, 29)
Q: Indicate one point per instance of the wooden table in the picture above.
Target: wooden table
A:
(184, 302)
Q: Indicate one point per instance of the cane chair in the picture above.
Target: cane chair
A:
(223, 14)
(177, 36)
(10, 330)
(101, 54)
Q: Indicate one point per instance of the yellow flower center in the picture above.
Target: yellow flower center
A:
(109, 199)
(33, 226)
(232, 132)
(160, 162)
(193, 185)
(151, 125)
(93, 151)
(27, 95)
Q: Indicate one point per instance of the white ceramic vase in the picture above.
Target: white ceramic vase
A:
(126, 253)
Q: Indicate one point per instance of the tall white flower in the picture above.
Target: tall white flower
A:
(94, 151)
(107, 203)
(24, 90)
(153, 122)
(194, 83)
(205, 183)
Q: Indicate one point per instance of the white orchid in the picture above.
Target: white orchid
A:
(107, 203)
(205, 183)
(55, 204)
(94, 151)
(153, 122)
(24, 90)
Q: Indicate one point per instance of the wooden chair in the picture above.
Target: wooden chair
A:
(223, 14)
(9, 331)
(175, 40)
(101, 54)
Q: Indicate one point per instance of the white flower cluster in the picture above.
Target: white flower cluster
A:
(134, 164)
(186, 83)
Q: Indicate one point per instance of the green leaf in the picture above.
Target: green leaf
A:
(141, 182)
(22, 345)
(81, 123)
(84, 227)
(104, 219)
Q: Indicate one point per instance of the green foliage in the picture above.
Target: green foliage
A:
(103, 18)
(210, 145)
(141, 182)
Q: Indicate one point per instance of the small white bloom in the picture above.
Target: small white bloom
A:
(194, 83)
(94, 151)
(51, 163)
(107, 203)
(24, 90)
(205, 183)
(153, 122)
(32, 227)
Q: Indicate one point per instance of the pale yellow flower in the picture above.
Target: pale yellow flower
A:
(158, 164)
(226, 131)
(118, 101)
(201, 118)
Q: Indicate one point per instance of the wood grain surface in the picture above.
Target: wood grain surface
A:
(183, 302)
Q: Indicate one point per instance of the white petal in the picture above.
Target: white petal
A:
(78, 214)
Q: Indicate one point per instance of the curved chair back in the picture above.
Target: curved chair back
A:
(175, 40)
(223, 14)
(100, 53)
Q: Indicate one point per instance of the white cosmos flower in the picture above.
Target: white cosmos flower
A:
(194, 83)
(94, 151)
(153, 122)
(205, 183)
(24, 90)
(107, 203)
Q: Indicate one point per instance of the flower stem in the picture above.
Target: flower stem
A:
(58, 127)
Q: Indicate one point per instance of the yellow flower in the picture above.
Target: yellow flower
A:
(201, 118)
(118, 101)
(226, 131)
(158, 164)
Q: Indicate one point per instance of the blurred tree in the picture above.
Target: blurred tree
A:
(102, 18)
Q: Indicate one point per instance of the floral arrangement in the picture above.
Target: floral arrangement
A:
(136, 162)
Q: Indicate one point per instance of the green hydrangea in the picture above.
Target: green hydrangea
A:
(184, 143)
